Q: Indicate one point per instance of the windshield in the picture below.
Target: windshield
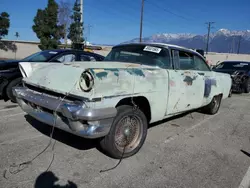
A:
(146, 55)
(42, 56)
(233, 65)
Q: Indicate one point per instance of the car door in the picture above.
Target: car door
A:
(186, 89)
(202, 68)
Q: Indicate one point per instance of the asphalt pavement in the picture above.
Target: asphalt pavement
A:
(194, 150)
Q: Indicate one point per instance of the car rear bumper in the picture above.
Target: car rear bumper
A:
(73, 117)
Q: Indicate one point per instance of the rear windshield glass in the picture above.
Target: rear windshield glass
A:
(41, 56)
(233, 65)
(142, 54)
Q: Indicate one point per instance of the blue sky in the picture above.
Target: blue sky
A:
(115, 21)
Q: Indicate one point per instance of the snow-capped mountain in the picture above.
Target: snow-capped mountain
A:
(222, 40)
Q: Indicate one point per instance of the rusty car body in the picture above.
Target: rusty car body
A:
(141, 82)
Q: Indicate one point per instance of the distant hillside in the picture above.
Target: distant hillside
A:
(222, 41)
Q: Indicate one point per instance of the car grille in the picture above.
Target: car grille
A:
(51, 93)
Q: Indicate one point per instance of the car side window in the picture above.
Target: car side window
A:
(186, 60)
(200, 64)
(67, 58)
(87, 58)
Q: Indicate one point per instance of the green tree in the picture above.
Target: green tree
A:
(46, 26)
(76, 27)
(4, 30)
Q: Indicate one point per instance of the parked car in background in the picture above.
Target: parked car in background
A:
(240, 73)
(10, 74)
(116, 99)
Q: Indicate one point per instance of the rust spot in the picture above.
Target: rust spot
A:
(172, 83)
(189, 80)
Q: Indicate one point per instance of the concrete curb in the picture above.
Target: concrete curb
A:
(245, 183)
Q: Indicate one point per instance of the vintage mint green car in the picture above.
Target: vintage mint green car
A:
(116, 99)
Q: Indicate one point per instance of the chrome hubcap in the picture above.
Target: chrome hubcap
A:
(128, 133)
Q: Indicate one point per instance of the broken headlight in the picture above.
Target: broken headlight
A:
(86, 81)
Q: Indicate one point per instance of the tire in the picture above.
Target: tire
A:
(246, 86)
(13, 83)
(213, 107)
(117, 149)
(230, 93)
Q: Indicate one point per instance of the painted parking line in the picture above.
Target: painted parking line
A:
(193, 127)
(245, 183)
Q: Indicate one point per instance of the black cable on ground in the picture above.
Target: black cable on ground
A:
(16, 168)
(120, 160)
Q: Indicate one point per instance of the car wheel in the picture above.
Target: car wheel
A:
(246, 86)
(213, 106)
(127, 134)
(13, 83)
(230, 93)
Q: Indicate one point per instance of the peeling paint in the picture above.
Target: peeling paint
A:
(186, 72)
(189, 80)
(115, 71)
(101, 75)
(98, 70)
(137, 72)
(172, 83)
(208, 86)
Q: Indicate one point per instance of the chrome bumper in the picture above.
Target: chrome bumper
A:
(70, 116)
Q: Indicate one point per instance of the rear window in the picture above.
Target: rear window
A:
(142, 54)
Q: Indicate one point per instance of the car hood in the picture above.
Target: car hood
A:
(109, 77)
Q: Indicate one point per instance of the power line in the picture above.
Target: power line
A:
(208, 34)
(168, 11)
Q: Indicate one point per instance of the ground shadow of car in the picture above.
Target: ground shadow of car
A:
(63, 136)
(48, 180)
(170, 119)
(77, 141)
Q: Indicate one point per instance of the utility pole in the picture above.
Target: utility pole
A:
(88, 31)
(208, 34)
(142, 11)
(17, 36)
(81, 5)
(238, 51)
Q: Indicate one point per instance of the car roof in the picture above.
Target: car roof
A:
(73, 50)
(162, 45)
(248, 62)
